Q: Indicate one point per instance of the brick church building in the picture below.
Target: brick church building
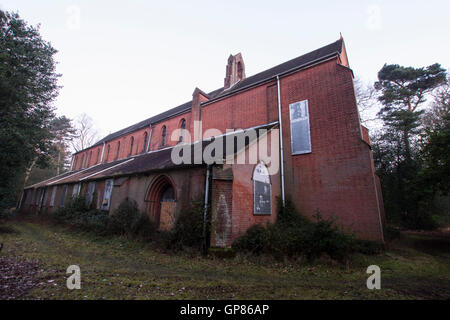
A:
(302, 140)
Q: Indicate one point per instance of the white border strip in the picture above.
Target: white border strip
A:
(96, 173)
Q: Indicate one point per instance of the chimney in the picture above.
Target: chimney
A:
(198, 96)
(235, 71)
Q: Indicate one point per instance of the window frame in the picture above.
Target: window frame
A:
(63, 195)
(306, 119)
(144, 148)
(163, 136)
(53, 196)
(107, 196)
(131, 145)
(254, 191)
(182, 130)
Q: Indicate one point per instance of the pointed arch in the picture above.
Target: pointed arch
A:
(182, 130)
(131, 146)
(163, 136)
(161, 189)
(262, 190)
(144, 147)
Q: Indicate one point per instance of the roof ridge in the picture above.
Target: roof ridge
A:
(264, 75)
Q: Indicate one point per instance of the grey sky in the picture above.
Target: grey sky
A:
(124, 61)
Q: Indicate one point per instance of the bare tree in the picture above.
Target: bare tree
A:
(368, 105)
(435, 116)
(86, 134)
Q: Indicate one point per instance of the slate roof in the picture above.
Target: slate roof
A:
(301, 61)
(158, 160)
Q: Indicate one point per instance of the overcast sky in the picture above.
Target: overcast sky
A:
(124, 61)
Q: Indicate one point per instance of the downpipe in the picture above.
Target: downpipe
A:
(281, 143)
(205, 211)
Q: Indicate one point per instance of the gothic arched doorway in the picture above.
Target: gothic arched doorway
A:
(162, 199)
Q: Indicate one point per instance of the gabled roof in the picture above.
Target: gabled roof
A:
(158, 160)
(322, 53)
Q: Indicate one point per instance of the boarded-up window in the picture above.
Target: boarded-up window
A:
(90, 193)
(52, 199)
(63, 196)
(36, 199)
(107, 195)
(262, 190)
(46, 194)
(300, 132)
(76, 190)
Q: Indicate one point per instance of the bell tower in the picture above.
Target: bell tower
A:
(235, 70)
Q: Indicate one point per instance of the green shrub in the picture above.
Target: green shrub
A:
(142, 227)
(121, 220)
(77, 214)
(288, 216)
(256, 240)
(392, 233)
(128, 221)
(294, 235)
(188, 228)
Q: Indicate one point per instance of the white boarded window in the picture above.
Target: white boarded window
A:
(300, 133)
(52, 199)
(47, 192)
(90, 193)
(107, 195)
(262, 191)
(63, 196)
(76, 190)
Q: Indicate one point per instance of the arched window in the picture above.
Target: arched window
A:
(239, 70)
(183, 129)
(118, 150)
(144, 148)
(163, 136)
(83, 163)
(131, 146)
(89, 159)
(262, 190)
(107, 153)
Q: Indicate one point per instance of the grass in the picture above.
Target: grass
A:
(117, 268)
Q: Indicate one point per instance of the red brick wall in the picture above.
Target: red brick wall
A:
(222, 213)
(171, 125)
(336, 178)
(244, 110)
(138, 144)
(243, 192)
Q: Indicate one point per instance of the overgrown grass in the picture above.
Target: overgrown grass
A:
(123, 268)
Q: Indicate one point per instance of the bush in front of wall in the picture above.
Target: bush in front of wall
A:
(294, 235)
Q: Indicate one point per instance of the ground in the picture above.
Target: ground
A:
(35, 257)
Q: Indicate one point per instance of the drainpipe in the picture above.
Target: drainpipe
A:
(103, 152)
(281, 142)
(149, 138)
(205, 209)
